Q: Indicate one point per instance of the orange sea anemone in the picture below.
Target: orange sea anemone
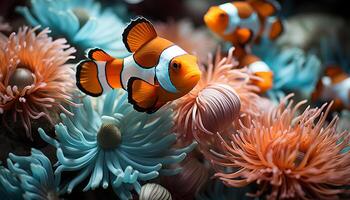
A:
(288, 156)
(34, 79)
(220, 97)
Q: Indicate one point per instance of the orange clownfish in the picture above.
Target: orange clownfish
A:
(260, 69)
(334, 85)
(243, 23)
(157, 71)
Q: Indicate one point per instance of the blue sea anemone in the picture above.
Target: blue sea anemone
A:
(294, 70)
(35, 175)
(82, 22)
(115, 145)
(9, 185)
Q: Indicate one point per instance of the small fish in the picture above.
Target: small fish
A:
(243, 23)
(157, 71)
(260, 69)
(334, 85)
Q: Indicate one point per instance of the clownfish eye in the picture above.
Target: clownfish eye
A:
(222, 15)
(176, 65)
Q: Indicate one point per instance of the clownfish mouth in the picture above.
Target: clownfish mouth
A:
(193, 77)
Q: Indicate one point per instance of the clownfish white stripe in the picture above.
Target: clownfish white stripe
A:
(233, 18)
(340, 88)
(101, 66)
(258, 66)
(162, 68)
(132, 69)
(252, 22)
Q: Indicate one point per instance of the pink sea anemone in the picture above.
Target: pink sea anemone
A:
(288, 156)
(220, 97)
(34, 79)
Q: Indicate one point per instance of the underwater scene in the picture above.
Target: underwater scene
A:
(174, 100)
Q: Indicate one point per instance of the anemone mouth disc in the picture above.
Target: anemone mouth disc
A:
(21, 77)
(109, 136)
(82, 15)
(52, 195)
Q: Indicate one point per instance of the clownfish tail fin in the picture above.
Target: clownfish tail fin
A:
(137, 33)
(97, 77)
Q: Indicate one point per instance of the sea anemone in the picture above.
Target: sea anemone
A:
(115, 145)
(34, 77)
(220, 97)
(294, 70)
(82, 22)
(194, 175)
(10, 188)
(152, 191)
(183, 33)
(288, 157)
(35, 175)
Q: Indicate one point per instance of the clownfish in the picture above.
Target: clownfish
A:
(260, 69)
(243, 23)
(157, 71)
(334, 85)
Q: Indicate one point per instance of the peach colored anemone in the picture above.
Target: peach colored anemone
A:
(187, 37)
(220, 97)
(47, 81)
(288, 156)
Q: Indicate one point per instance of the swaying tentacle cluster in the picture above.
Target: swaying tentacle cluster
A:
(89, 26)
(33, 76)
(220, 97)
(9, 185)
(29, 177)
(287, 156)
(115, 145)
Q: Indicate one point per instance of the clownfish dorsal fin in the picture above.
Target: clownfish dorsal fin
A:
(137, 33)
(265, 8)
(99, 55)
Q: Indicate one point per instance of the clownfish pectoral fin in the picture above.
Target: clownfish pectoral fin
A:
(244, 35)
(87, 78)
(142, 95)
(138, 33)
(99, 55)
(276, 29)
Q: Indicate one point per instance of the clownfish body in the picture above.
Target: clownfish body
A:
(334, 85)
(156, 72)
(260, 69)
(243, 23)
